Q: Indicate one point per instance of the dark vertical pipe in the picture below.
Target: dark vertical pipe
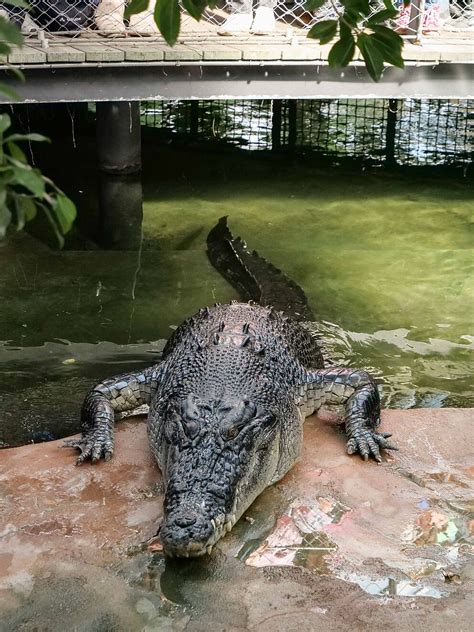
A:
(276, 124)
(390, 132)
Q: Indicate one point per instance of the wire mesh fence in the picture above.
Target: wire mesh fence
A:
(89, 18)
(405, 132)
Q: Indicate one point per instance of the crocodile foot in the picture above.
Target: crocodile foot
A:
(93, 446)
(367, 443)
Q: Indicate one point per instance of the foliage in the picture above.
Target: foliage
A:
(24, 189)
(356, 26)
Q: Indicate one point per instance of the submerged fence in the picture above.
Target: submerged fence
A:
(404, 132)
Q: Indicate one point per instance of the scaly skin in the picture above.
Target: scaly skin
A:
(227, 404)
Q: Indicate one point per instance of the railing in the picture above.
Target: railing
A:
(89, 19)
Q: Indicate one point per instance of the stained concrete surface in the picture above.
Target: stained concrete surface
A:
(338, 544)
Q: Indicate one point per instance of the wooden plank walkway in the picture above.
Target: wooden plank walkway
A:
(205, 65)
(213, 48)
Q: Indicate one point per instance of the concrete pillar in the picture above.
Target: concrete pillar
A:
(119, 162)
(119, 137)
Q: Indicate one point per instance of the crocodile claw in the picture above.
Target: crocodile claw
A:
(91, 446)
(368, 444)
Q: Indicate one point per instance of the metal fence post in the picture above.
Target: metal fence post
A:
(276, 124)
(417, 9)
(390, 132)
(291, 123)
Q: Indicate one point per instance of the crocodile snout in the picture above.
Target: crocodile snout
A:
(187, 533)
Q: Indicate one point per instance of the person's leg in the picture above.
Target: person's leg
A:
(264, 20)
(240, 19)
(144, 23)
(109, 16)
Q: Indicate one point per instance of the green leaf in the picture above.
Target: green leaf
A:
(391, 45)
(25, 210)
(10, 32)
(54, 225)
(342, 52)
(5, 122)
(351, 17)
(10, 92)
(314, 5)
(31, 179)
(195, 8)
(5, 214)
(65, 211)
(37, 138)
(372, 54)
(135, 6)
(323, 31)
(17, 3)
(6, 177)
(16, 152)
(15, 71)
(382, 16)
(363, 6)
(168, 18)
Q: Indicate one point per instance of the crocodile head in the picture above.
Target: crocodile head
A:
(217, 457)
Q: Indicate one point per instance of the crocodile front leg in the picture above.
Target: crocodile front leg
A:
(357, 391)
(115, 395)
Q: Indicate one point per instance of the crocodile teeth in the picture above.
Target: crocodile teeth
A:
(213, 522)
(209, 549)
(228, 526)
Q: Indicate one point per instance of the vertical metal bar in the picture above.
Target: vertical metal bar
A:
(291, 123)
(194, 122)
(417, 9)
(390, 132)
(276, 124)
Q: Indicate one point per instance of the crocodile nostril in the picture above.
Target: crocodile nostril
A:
(186, 519)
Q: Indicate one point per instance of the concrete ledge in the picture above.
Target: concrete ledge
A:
(338, 544)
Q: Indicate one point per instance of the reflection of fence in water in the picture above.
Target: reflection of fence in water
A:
(106, 17)
(405, 132)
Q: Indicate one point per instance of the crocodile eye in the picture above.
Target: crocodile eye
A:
(232, 432)
(229, 432)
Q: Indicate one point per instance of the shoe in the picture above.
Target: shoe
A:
(236, 23)
(109, 16)
(263, 22)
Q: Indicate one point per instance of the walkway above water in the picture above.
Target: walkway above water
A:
(338, 544)
(203, 65)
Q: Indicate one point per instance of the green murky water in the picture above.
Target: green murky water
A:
(385, 259)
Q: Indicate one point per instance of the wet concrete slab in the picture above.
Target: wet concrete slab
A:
(338, 544)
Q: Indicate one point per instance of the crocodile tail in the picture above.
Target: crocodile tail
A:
(252, 276)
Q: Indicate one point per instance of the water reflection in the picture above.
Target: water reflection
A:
(121, 211)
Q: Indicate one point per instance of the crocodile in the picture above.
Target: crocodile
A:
(228, 399)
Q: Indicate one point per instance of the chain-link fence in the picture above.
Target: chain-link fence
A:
(89, 18)
(404, 132)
